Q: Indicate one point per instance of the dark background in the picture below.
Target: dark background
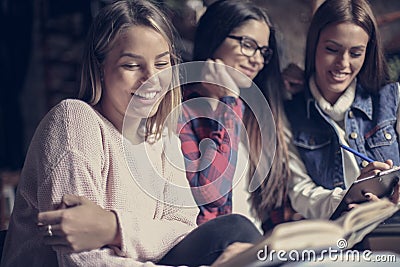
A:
(41, 44)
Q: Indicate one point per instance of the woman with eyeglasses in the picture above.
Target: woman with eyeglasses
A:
(115, 148)
(237, 41)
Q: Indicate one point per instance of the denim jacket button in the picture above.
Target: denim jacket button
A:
(351, 115)
(364, 163)
(353, 135)
(388, 136)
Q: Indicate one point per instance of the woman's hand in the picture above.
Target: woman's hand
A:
(79, 225)
(293, 78)
(373, 168)
(231, 251)
(217, 81)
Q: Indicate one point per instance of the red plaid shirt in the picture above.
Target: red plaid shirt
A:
(210, 175)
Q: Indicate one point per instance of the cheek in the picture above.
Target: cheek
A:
(113, 78)
(165, 78)
(321, 59)
(357, 65)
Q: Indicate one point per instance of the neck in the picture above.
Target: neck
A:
(129, 128)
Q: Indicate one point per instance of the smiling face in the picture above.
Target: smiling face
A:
(128, 71)
(339, 58)
(230, 51)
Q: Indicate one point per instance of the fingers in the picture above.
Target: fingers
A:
(72, 200)
(218, 80)
(371, 197)
(69, 201)
(56, 230)
(375, 168)
(50, 217)
(352, 206)
(389, 162)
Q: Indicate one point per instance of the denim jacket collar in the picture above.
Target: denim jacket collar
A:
(362, 101)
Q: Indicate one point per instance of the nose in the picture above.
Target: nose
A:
(149, 76)
(257, 57)
(343, 60)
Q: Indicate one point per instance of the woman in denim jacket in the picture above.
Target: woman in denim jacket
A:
(348, 99)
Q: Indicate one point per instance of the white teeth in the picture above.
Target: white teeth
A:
(146, 95)
(339, 74)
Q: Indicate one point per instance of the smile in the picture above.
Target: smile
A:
(146, 95)
(339, 75)
(248, 72)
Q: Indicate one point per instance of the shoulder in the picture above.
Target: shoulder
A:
(388, 94)
(388, 88)
(73, 108)
(69, 126)
(69, 120)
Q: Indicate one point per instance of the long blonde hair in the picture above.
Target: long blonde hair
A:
(105, 29)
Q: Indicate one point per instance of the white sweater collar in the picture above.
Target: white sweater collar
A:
(338, 110)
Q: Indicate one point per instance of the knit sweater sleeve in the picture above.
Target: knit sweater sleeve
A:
(66, 155)
(77, 170)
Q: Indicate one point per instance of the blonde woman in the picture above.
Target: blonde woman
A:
(110, 147)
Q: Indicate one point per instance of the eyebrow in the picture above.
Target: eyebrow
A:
(254, 40)
(132, 55)
(335, 43)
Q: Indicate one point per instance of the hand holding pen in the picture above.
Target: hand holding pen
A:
(374, 167)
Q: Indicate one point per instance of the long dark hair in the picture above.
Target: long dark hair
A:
(374, 72)
(219, 20)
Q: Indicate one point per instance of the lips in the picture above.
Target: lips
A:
(339, 76)
(248, 71)
(146, 95)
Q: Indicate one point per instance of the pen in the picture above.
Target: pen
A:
(358, 154)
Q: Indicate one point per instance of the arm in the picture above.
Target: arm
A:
(83, 169)
(55, 167)
(307, 198)
(85, 225)
(212, 170)
(311, 200)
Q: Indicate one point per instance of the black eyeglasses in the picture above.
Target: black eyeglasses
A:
(249, 47)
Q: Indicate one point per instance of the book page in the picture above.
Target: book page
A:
(316, 234)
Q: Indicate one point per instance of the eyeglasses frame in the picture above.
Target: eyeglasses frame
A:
(241, 39)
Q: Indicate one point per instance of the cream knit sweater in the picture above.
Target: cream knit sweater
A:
(75, 150)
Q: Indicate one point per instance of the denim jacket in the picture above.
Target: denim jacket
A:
(370, 127)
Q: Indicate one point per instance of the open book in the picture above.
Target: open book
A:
(315, 235)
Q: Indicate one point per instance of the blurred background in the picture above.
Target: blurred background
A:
(41, 47)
